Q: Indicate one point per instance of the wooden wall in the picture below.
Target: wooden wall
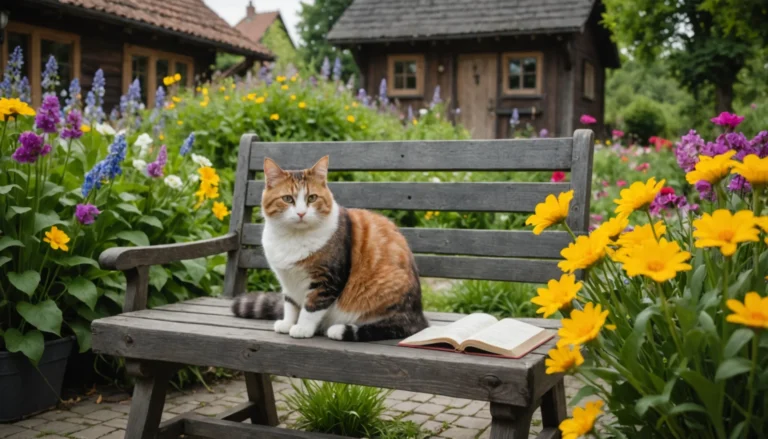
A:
(586, 49)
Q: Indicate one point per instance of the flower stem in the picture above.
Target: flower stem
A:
(2, 138)
(751, 385)
(66, 162)
(570, 232)
(650, 222)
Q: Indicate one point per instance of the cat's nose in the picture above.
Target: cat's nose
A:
(301, 215)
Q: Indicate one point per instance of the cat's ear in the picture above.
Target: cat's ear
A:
(320, 169)
(272, 172)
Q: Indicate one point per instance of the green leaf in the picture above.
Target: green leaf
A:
(19, 173)
(738, 339)
(738, 288)
(633, 343)
(44, 221)
(135, 237)
(643, 404)
(25, 282)
(4, 190)
(51, 189)
(30, 344)
(16, 210)
(128, 208)
(152, 221)
(115, 297)
(4, 259)
(73, 261)
(83, 333)
(732, 367)
(686, 408)
(84, 290)
(157, 277)
(7, 241)
(583, 393)
(45, 316)
(127, 196)
(196, 269)
(736, 432)
(697, 281)
(710, 394)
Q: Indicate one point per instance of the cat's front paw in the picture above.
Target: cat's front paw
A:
(283, 326)
(301, 331)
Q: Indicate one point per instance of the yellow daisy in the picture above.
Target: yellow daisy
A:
(57, 239)
(753, 312)
(583, 325)
(557, 295)
(584, 253)
(661, 261)
(220, 210)
(711, 169)
(638, 196)
(725, 230)
(563, 359)
(583, 420)
(552, 211)
(613, 227)
(274, 116)
(753, 169)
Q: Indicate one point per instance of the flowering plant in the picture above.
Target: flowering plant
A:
(668, 325)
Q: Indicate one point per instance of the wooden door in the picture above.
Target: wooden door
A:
(477, 84)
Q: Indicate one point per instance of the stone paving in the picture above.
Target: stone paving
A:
(438, 416)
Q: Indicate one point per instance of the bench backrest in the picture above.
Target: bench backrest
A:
(514, 255)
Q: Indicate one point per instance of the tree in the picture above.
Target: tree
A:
(707, 42)
(316, 21)
(279, 42)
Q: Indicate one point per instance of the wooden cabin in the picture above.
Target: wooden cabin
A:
(144, 39)
(547, 59)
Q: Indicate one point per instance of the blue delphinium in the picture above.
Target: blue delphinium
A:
(157, 113)
(515, 119)
(5, 88)
(131, 105)
(362, 96)
(24, 90)
(9, 87)
(337, 69)
(383, 99)
(73, 100)
(325, 69)
(94, 101)
(91, 180)
(411, 117)
(189, 142)
(436, 97)
(50, 76)
(107, 169)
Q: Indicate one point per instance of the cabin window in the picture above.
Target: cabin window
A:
(405, 75)
(151, 67)
(589, 80)
(38, 44)
(523, 73)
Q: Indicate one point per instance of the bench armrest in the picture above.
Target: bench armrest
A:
(125, 258)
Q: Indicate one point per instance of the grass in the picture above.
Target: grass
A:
(501, 299)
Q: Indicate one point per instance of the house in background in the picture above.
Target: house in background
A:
(268, 29)
(144, 39)
(545, 58)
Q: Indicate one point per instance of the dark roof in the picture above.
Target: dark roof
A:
(255, 26)
(399, 20)
(190, 18)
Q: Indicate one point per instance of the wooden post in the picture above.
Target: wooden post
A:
(264, 411)
(511, 422)
(581, 180)
(148, 401)
(136, 289)
(553, 407)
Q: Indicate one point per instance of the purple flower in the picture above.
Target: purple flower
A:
(73, 97)
(362, 96)
(337, 69)
(155, 169)
(436, 99)
(718, 147)
(515, 118)
(74, 123)
(50, 76)
(705, 190)
(728, 120)
(410, 116)
(186, 147)
(12, 77)
(94, 112)
(325, 69)
(544, 133)
(667, 199)
(383, 100)
(25, 90)
(739, 184)
(86, 213)
(48, 116)
(32, 147)
(739, 143)
(759, 144)
(688, 150)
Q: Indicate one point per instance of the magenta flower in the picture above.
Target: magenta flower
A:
(74, 124)
(728, 120)
(586, 119)
(155, 169)
(32, 147)
(86, 213)
(48, 116)
(557, 176)
(621, 183)
(617, 134)
(705, 190)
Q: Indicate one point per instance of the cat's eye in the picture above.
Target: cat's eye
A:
(288, 199)
(312, 198)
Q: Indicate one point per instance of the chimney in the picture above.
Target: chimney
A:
(250, 11)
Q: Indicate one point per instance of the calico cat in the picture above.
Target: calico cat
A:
(348, 273)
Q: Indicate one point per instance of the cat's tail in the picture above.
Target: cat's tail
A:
(266, 306)
(398, 326)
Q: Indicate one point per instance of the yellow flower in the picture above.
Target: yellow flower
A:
(302, 105)
(415, 121)
(613, 227)
(284, 87)
(754, 169)
(167, 81)
(753, 312)
(608, 142)
(260, 100)
(429, 215)
(638, 196)
(293, 97)
(205, 91)
(294, 77)
(274, 116)
(12, 107)
(661, 261)
(280, 79)
(85, 128)
(206, 191)
(583, 326)
(583, 420)
(233, 86)
(351, 119)
(641, 234)
(170, 106)
(346, 107)
(563, 359)
(197, 89)
(585, 252)
(711, 169)
(557, 295)
(177, 77)
(208, 175)
(552, 211)
(354, 104)
(204, 103)
(57, 239)
(222, 88)
(179, 122)
(161, 137)
(724, 230)
(220, 210)
(226, 97)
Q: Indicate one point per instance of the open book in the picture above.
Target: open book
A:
(482, 334)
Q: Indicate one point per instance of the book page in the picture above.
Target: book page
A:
(506, 334)
(458, 331)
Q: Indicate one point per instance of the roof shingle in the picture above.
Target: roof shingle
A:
(392, 20)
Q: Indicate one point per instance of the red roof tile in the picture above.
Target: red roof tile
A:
(190, 17)
(255, 26)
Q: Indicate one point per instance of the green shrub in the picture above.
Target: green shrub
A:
(346, 410)
(501, 299)
(644, 118)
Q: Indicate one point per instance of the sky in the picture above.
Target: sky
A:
(234, 10)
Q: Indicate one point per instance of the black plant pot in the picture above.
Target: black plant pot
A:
(23, 388)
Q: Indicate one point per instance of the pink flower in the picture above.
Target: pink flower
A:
(557, 177)
(586, 119)
(617, 134)
(753, 106)
(642, 167)
(621, 183)
(728, 120)
(605, 183)
(156, 168)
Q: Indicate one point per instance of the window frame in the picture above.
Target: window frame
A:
(589, 80)
(405, 92)
(507, 57)
(36, 35)
(129, 50)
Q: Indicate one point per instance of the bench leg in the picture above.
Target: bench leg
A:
(147, 403)
(553, 408)
(510, 422)
(264, 411)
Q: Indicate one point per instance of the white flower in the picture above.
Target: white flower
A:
(144, 141)
(173, 182)
(200, 160)
(435, 179)
(139, 165)
(423, 111)
(105, 129)
(194, 178)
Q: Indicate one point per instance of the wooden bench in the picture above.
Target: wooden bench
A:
(203, 331)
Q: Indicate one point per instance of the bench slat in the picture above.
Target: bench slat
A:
(459, 197)
(498, 243)
(551, 154)
(462, 376)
